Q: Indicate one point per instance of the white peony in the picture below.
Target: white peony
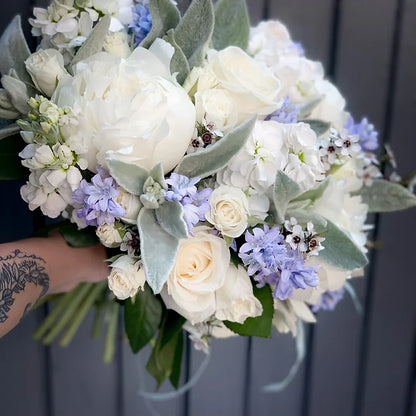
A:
(108, 235)
(129, 109)
(126, 277)
(235, 300)
(229, 211)
(200, 270)
(46, 67)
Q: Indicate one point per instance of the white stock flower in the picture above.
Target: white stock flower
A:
(108, 235)
(46, 67)
(269, 41)
(235, 300)
(131, 204)
(200, 269)
(129, 109)
(229, 210)
(126, 277)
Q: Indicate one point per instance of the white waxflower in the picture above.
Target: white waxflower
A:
(126, 277)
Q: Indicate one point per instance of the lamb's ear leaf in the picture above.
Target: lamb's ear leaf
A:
(285, 189)
(232, 24)
(208, 161)
(158, 249)
(165, 16)
(95, 41)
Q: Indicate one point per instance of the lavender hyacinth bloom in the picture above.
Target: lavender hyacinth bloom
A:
(287, 113)
(271, 261)
(195, 204)
(365, 131)
(328, 300)
(141, 24)
(97, 200)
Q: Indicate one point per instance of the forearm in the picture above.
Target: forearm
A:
(31, 268)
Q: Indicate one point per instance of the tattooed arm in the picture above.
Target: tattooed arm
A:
(31, 268)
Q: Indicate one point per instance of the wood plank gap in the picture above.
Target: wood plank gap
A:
(307, 378)
(411, 385)
(247, 379)
(335, 31)
(119, 368)
(49, 390)
(266, 10)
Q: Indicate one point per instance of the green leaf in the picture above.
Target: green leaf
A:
(157, 174)
(165, 16)
(170, 217)
(14, 50)
(262, 325)
(232, 24)
(194, 32)
(173, 325)
(177, 361)
(285, 189)
(95, 41)
(339, 249)
(179, 64)
(142, 318)
(158, 249)
(18, 93)
(313, 194)
(128, 175)
(318, 126)
(208, 161)
(386, 196)
(10, 163)
(165, 360)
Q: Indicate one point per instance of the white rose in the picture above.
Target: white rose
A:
(46, 67)
(126, 278)
(129, 109)
(117, 44)
(252, 86)
(229, 211)
(108, 235)
(200, 269)
(131, 204)
(235, 300)
(218, 108)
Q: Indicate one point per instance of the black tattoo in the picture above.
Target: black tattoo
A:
(17, 270)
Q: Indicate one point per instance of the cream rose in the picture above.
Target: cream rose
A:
(129, 109)
(229, 211)
(235, 300)
(46, 67)
(131, 204)
(126, 278)
(200, 269)
(108, 235)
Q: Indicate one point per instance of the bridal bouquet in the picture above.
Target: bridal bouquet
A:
(214, 160)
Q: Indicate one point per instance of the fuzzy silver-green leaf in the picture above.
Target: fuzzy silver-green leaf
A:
(208, 161)
(178, 64)
(170, 218)
(386, 196)
(318, 126)
(285, 189)
(131, 177)
(158, 249)
(232, 24)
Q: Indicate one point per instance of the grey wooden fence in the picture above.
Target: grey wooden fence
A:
(355, 365)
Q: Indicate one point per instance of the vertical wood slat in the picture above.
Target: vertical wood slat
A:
(361, 77)
(393, 321)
